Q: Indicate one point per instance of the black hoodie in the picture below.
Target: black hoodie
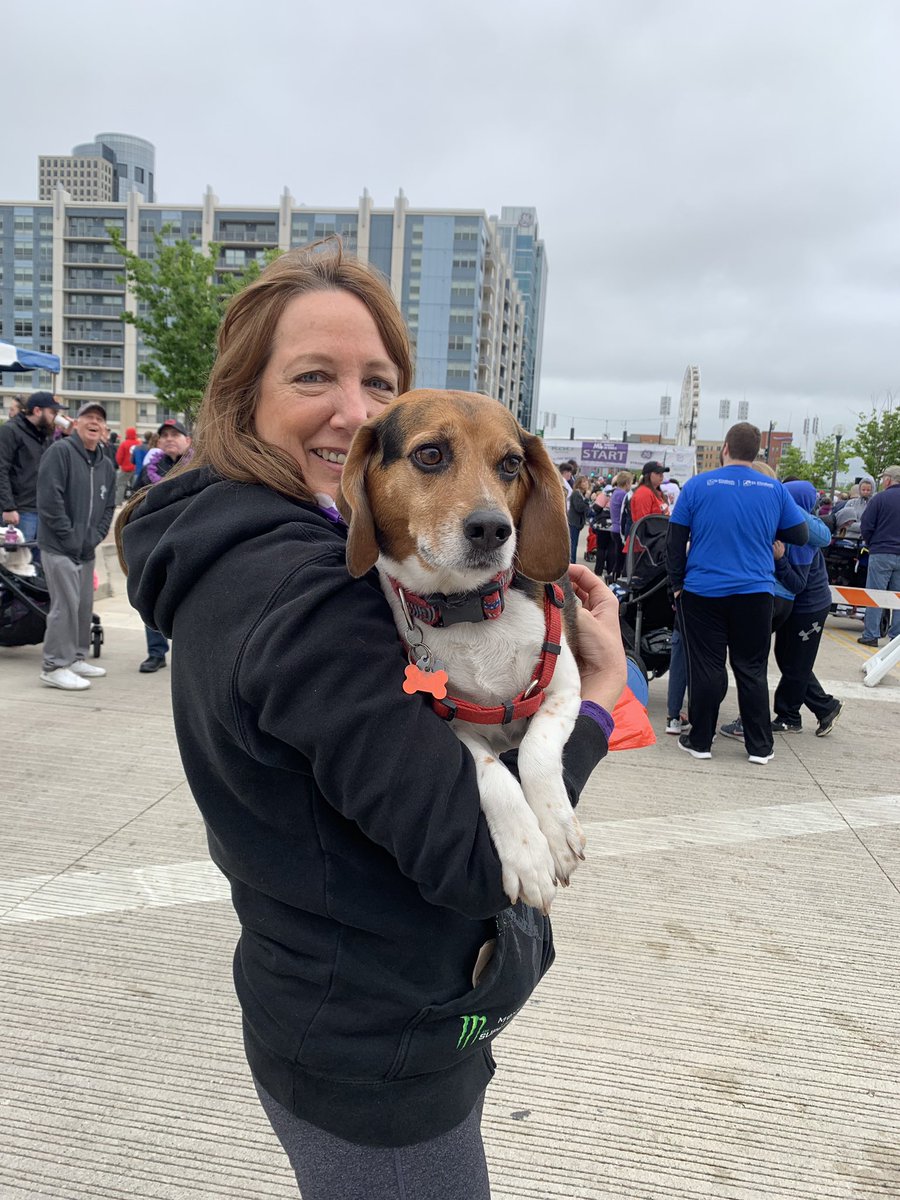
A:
(344, 814)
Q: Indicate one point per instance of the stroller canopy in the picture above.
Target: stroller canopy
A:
(12, 358)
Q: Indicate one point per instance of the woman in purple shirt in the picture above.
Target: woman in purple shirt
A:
(621, 487)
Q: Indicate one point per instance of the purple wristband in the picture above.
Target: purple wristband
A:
(598, 714)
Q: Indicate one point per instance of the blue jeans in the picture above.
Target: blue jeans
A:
(574, 535)
(28, 524)
(884, 572)
(677, 677)
(157, 646)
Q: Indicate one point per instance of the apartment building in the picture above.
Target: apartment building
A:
(470, 324)
(104, 170)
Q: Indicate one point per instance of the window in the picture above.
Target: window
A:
(24, 224)
(122, 169)
(24, 329)
(462, 291)
(458, 341)
(24, 250)
(139, 174)
(26, 303)
(24, 275)
(457, 375)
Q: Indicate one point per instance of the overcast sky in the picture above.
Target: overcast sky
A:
(717, 182)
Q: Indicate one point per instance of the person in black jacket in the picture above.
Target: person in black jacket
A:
(23, 439)
(379, 956)
(76, 498)
(577, 510)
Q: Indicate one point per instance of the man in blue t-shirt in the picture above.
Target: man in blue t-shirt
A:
(719, 553)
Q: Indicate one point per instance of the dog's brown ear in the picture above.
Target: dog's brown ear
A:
(353, 503)
(542, 549)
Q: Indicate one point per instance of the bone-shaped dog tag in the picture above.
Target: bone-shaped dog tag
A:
(432, 683)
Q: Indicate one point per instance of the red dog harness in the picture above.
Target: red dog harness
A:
(528, 702)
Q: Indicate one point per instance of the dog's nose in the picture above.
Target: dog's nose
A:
(487, 529)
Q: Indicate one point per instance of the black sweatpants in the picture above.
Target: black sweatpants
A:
(739, 627)
(796, 646)
(607, 553)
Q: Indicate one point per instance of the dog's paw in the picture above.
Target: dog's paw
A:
(566, 841)
(528, 871)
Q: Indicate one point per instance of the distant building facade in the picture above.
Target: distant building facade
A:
(448, 269)
(106, 169)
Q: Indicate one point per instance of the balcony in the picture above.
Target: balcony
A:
(93, 285)
(94, 257)
(263, 237)
(75, 309)
(109, 364)
(87, 385)
(116, 336)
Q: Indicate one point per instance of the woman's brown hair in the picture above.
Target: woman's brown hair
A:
(224, 437)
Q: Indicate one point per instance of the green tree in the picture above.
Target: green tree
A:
(820, 469)
(180, 303)
(877, 438)
(793, 464)
(823, 461)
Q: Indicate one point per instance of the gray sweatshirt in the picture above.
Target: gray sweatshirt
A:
(76, 499)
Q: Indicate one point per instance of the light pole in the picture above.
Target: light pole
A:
(838, 434)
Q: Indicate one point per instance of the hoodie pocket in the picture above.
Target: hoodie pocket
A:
(440, 1035)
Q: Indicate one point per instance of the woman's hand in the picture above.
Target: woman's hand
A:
(600, 648)
(778, 550)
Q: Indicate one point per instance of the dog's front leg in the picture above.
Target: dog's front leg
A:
(525, 857)
(540, 767)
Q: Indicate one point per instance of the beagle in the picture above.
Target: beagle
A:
(463, 514)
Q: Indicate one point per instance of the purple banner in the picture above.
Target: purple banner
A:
(611, 453)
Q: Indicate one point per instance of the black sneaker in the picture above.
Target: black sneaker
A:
(780, 726)
(684, 743)
(867, 641)
(826, 723)
(151, 664)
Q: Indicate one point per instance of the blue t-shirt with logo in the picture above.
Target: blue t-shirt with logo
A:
(734, 514)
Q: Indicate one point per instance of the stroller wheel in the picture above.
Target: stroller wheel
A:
(96, 635)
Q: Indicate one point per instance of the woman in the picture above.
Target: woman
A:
(648, 497)
(577, 512)
(801, 570)
(621, 487)
(378, 955)
(607, 551)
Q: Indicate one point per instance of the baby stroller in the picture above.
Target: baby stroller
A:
(847, 563)
(646, 616)
(24, 605)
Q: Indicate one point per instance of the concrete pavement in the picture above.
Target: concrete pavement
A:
(722, 1019)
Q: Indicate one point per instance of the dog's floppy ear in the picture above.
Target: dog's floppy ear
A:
(542, 548)
(353, 503)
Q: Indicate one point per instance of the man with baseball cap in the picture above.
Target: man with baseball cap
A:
(23, 440)
(174, 444)
(76, 497)
(880, 528)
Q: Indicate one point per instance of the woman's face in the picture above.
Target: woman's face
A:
(328, 371)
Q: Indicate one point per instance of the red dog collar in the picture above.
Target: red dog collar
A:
(528, 702)
(438, 611)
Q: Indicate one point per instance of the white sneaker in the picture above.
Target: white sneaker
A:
(86, 670)
(674, 725)
(63, 678)
(760, 759)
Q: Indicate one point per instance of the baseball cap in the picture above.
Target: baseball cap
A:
(652, 466)
(171, 423)
(92, 406)
(41, 400)
(891, 473)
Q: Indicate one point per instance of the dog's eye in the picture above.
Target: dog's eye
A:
(428, 456)
(511, 464)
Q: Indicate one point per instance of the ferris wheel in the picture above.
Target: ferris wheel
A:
(689, 408)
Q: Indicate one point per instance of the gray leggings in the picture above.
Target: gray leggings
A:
(449, 1167)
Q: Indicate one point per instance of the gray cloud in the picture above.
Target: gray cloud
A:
(716, 183)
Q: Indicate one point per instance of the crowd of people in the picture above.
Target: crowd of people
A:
(61, 479)
(745, 562)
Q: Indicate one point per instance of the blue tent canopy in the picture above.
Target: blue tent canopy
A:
(14, 359)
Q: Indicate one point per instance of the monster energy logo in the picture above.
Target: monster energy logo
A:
(471, 1027)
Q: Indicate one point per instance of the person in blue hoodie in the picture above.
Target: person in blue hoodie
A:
(801, 570)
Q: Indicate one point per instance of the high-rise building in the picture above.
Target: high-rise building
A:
(518, 231)
(60, 287)
(106, 169)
